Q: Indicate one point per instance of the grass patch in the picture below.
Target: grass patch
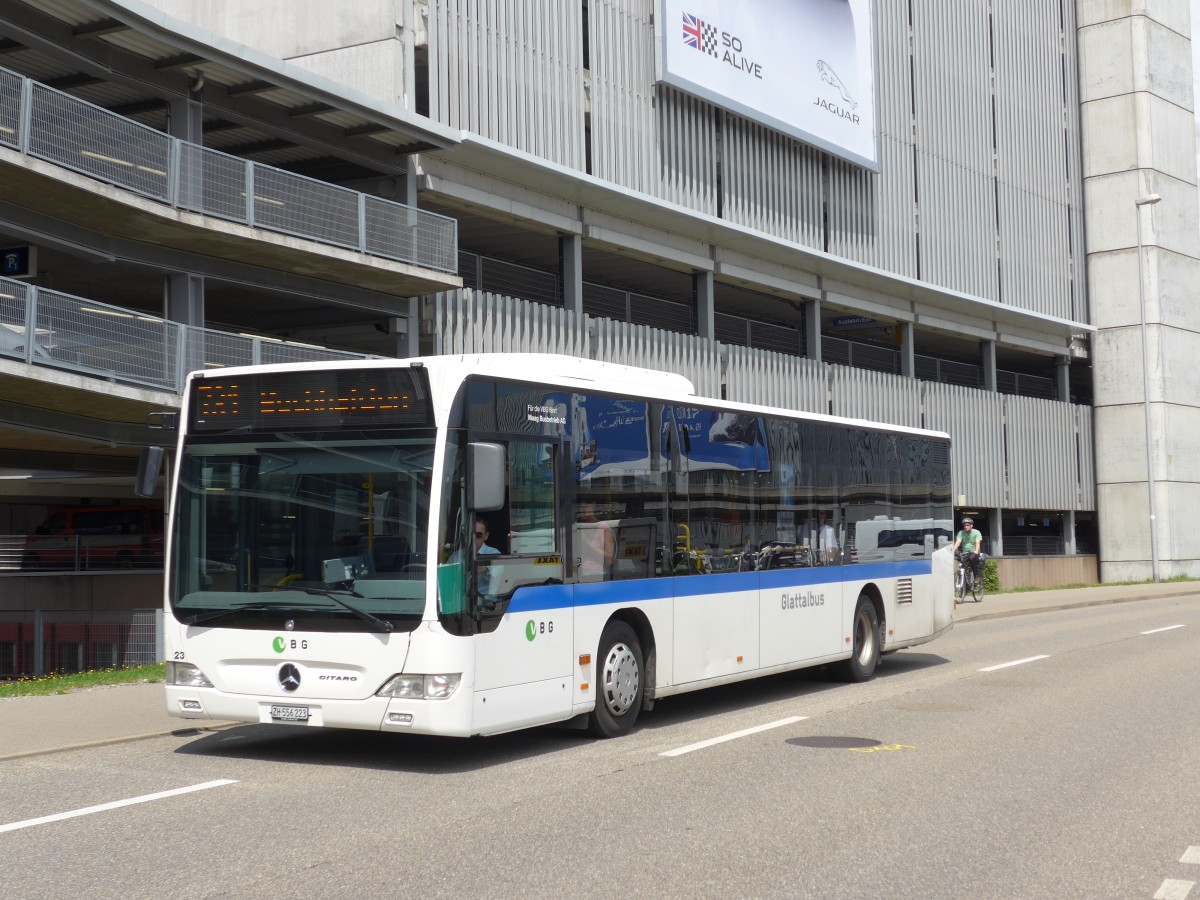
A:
(1058, 587)
(80, 681)
(1175, 579)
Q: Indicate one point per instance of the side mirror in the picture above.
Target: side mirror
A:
(486, 476)
(149, 465)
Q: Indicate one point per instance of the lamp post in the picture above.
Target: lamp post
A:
(1148, 200)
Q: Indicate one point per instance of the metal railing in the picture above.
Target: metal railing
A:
(48, 124)
(21, 554)
(1034, 545)
(488, 275)
(44, 642)
(45, 327)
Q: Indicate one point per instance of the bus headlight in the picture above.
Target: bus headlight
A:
(187, 675)
(420, 687)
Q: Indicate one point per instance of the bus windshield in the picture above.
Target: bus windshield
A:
(330, 534)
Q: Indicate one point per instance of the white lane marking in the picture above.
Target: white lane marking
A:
(1168, 628)
(679, 751)
(1174, 889)
(116, 804)
(1016, 662)
(1191, 855)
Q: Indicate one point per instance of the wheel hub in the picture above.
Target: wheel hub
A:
(620, 679)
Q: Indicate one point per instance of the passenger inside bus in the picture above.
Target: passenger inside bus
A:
(596, 547)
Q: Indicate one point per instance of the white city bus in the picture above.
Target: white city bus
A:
(641, 541)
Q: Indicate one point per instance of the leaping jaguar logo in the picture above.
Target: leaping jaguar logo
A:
(831, 77)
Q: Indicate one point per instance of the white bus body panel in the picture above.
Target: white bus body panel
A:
(715, 634)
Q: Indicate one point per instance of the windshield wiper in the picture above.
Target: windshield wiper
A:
(259, 606)
(336, 597)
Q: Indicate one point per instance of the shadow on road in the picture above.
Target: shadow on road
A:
(448, 756)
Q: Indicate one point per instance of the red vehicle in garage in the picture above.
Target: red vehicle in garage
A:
(97, 537)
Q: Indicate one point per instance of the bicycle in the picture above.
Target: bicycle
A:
(965, 582)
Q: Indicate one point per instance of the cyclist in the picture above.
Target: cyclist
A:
(971, 542)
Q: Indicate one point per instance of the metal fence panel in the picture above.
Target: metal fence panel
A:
(14, 321)
(305, 207)
(286, 352)
(498, 276)
(126, 345)
(213, 183)
(397, 231)
(11, 85)
(209, 349)
(72, 133)
(37, 643)
(105, 340)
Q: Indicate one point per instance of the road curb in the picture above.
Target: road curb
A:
(1075, 604)
(126, 739)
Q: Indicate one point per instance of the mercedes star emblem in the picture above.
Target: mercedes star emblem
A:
(289, 677)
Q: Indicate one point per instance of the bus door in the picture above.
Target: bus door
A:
(524, 641)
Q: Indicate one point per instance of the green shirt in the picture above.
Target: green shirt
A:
(969, 540)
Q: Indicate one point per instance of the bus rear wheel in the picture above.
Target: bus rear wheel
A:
(865, 659)
(620, 681)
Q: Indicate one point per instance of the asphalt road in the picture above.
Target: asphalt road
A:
(1053, 755)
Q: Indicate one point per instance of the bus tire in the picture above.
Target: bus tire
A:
(865, 629)
(620, 681)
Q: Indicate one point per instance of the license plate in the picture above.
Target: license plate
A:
(290, 713)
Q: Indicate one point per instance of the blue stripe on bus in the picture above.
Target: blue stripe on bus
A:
(560, 596)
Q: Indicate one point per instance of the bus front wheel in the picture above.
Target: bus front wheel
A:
(865, 629)
(620, 681)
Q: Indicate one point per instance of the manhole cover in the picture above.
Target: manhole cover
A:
(834, 743)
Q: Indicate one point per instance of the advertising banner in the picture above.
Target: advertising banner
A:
(803, 67)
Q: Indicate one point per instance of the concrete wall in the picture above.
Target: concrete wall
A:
(1135, 67)
(91, 593)
(363, 44)
(1046, 571)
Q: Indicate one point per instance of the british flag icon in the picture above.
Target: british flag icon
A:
(699, 34)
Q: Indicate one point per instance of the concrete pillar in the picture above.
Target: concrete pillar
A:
(908, 353)
(185, 119)
(993, 534)
(1135, 74)
(408, 337)
(570, 272)
(987, 364)
(406, 185)
(812, 329)
(702, 293)
(185, 298)
(1069, 547)
(184, 303)
(1062, 377)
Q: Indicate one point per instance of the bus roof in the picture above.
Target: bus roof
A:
(565, 371)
